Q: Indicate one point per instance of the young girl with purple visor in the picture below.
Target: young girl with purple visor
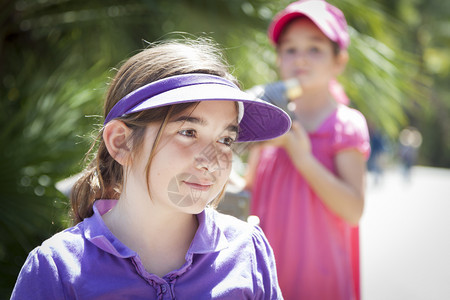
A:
(145, 223)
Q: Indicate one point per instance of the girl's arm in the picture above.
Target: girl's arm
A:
(344, 193)
(264, 269)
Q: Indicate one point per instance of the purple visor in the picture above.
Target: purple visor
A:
(258, 120)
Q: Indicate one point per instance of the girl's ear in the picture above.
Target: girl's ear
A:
(115, 135)
(341, 61)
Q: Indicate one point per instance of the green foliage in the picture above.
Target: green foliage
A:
(53, 74)
(39, 145)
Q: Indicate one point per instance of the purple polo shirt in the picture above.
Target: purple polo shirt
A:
(227, 259)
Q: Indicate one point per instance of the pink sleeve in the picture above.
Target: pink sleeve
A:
(351, 132)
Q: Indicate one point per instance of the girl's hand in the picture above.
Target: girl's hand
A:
(297, 143)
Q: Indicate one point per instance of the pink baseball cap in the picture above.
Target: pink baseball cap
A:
(330, 20)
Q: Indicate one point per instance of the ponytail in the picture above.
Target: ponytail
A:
(102, 179)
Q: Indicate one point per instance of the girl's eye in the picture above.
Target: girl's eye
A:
(188, 133)
(314, 50)
(290, 51)
(227, 141)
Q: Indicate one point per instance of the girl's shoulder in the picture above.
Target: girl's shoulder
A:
(248, 244)
(351, 116)
(47, 265)
(70, 242)
(350, 130)
(342, 118)
(351, 122)
(230, 225)
(238, 232)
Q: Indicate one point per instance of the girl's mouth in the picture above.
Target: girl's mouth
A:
(300, 72)
(198, 186)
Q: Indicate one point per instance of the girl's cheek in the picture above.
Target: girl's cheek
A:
(183, 145)
(287, 58)
(225, 160)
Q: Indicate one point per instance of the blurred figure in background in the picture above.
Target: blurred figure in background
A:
(308, 186)
(410, 140)
(378, 147)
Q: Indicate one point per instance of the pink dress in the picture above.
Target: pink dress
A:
(316, 252)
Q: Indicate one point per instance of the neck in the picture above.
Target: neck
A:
(160, 236)
(313, 107)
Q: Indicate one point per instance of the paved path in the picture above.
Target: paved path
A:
(405, 236)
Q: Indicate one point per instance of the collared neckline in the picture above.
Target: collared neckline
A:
(96, 231)
(208, 238)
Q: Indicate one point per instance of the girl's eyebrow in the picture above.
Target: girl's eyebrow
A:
(203, 122)
(233, 128)
(191, 119)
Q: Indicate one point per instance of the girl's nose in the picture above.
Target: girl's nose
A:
(207, 163)
(301, 57)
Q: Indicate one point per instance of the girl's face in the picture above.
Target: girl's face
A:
(192, 161)
(305, 53)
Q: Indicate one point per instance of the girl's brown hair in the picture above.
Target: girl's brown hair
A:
(103, 177)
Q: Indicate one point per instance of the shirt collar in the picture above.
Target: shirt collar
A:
(208, 238)
(96, 231)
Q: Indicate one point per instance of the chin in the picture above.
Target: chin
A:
(196, 208)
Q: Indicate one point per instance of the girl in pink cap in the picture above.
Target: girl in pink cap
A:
(145, 224)
(308, 186)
